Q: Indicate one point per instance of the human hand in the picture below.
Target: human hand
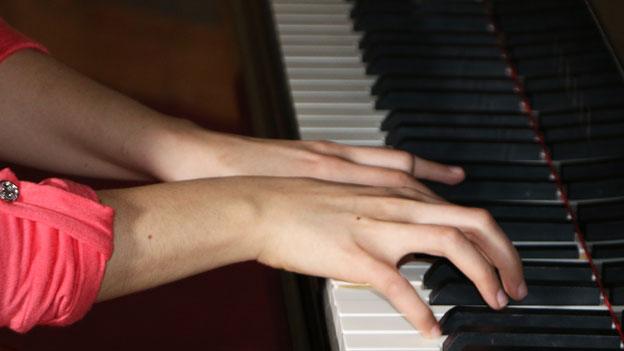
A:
(348, 232)
(359, 234)
(208, 154)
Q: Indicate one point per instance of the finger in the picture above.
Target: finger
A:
(390, 241)
(438, 172)
(337, 169)
(401, 294)
(481, 228)
(394, 159)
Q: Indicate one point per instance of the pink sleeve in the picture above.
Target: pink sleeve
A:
(12, 41)
(55, 240)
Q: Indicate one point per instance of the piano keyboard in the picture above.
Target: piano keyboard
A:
(528, 99)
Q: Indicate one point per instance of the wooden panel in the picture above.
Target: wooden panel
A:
(182, 65)
(610, 13)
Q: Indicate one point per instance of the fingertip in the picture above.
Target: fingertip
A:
(522, 291)
(502, 299)
(458, 174)
(435, 332)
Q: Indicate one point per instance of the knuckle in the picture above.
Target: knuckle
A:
(401, 179)
(317, 164)
(453, 238)
(484, 217)
(323, 145)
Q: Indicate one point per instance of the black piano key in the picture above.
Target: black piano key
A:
(592, 98)
(542, 22)
(521, 348)
(442, 271)
(372, 38)
(548, 251)
(477, 190)
(584, 117)
(431, 101)
(616, 295)
(447, 67)
(416, 51)
(366, 7)
(607, 250)
(538, 231)
(393, 82)
(540, 294)
(532, 339)
(403, 134)
(592, 170)
(613, 273)
(578, 82)
(596, 189)
(529, 38)
(580, 64)
(472, 151)
(556, 49)
(604, 231)
(517, 7)
(506, 171)
(606, 210)
(585, 132)
(420, 23)
(608, 147)
(525, 212)
(460, 317)
(400, 118)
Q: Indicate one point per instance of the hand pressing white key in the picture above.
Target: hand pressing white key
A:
(348, 232)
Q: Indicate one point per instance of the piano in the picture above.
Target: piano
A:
(527, 96)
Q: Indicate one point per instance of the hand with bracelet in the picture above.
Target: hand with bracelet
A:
(354, 211)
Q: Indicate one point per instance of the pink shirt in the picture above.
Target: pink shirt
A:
(55, 240)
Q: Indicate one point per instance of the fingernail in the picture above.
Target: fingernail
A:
(456, 170)
(435, 332)
(523, 291)
(502, 299)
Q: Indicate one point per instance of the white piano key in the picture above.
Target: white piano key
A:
(312, 8)
(354, 72)
(391, 342)
(332, 96)
(331, 108)
(329, 84)
(370, 325)
(352, 142)
(377, 308)
(346, 292)
(289, 29)
(344, 121)
(316, 40)
(315, 51)
(311, 19)
(341, 134)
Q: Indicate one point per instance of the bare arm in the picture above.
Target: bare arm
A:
(169, 231)
(56, 119)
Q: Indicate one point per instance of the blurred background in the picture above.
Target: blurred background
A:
(184, 58)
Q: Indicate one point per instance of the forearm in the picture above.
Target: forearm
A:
(56, 119)
(170, 231)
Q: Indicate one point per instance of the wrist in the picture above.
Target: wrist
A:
(185, 151)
